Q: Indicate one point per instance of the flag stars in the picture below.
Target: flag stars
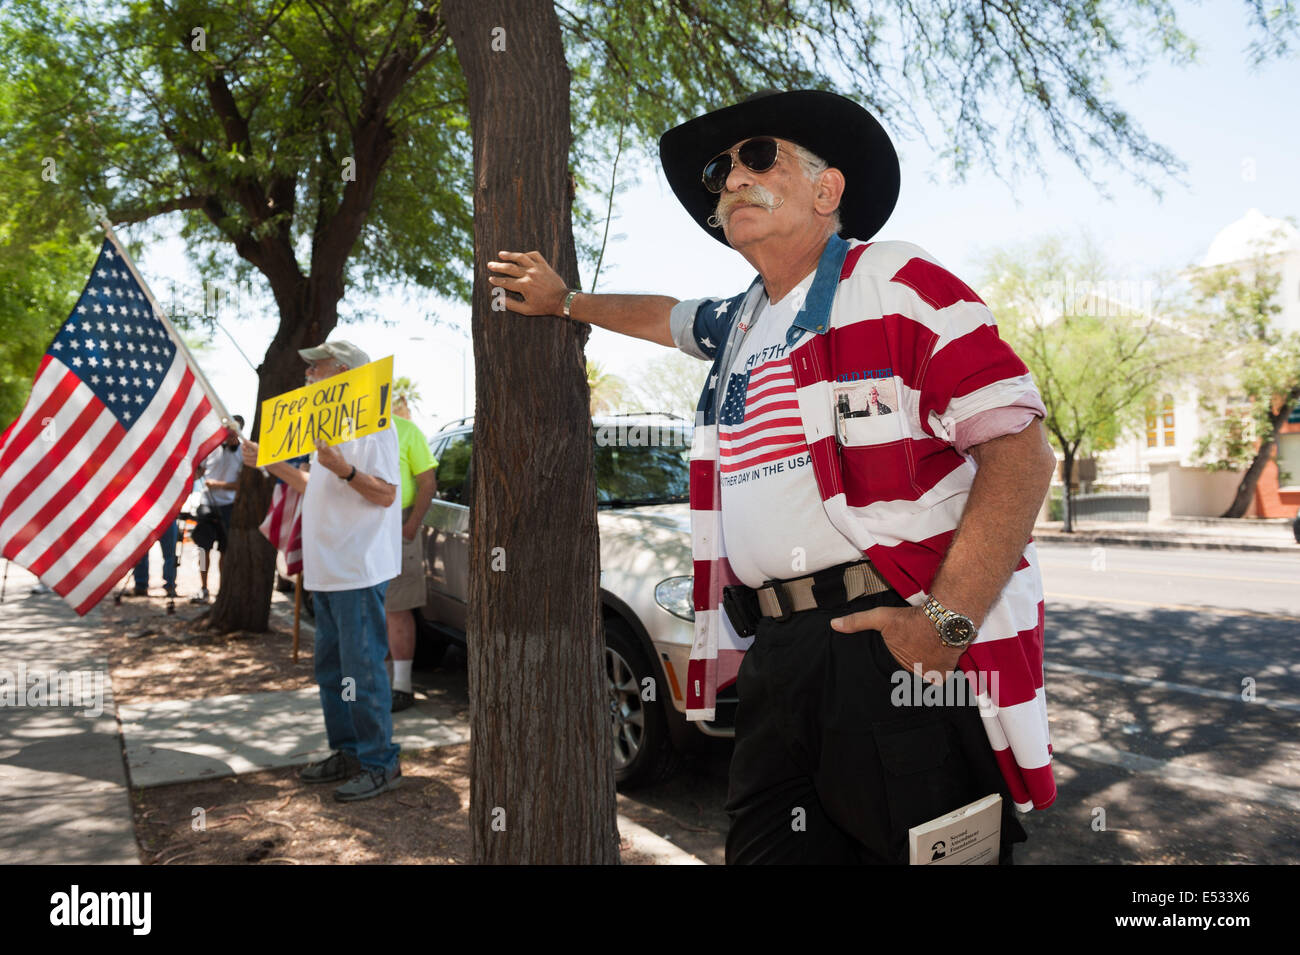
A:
(103, 344)
(94, 362)
(112, 310)
(58, 345)
(122, 381)
(96, 308)
(134, 364)
(99, 326)
(139, 399)
(81, 310)
(76, 362)
(114, 326)
(136, 382)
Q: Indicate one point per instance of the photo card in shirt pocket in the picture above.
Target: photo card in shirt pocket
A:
(867, 412)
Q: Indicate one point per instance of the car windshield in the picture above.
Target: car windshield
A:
(638, 464)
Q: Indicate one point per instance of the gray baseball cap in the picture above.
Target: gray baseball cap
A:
(341, 351)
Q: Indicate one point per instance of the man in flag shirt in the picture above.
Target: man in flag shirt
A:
(102, 456)
(798, 473)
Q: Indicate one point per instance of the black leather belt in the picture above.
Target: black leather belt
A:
(780, 599)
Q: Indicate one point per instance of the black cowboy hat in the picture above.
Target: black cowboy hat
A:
(834, 128)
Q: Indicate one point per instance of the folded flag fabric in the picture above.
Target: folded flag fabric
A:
(104, 452)
(283, 526)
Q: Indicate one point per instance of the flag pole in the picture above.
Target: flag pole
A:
(193, 364)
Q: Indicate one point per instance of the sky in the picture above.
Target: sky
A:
(1235, 127)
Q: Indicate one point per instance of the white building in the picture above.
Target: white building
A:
(1167, 450)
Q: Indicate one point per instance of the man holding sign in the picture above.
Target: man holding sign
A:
(351, 549)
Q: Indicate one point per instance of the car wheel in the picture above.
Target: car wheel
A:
(643, 749)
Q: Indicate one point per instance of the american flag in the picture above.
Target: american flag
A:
(759, 421)
(104, 452)
(283, 526)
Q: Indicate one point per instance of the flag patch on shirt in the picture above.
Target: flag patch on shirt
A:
(759, 421)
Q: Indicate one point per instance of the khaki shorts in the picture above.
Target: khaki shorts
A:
(407, 590)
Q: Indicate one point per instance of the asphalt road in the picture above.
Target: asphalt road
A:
(1173, 688)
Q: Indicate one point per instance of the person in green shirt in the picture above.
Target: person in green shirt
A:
(406, 592)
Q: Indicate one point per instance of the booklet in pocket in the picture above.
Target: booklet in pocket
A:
(971, 835)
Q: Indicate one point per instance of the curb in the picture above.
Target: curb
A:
(1159, 543)
(642, 840)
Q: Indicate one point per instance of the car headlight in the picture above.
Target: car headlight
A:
(677, 596)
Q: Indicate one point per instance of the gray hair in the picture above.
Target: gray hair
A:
(813, 166)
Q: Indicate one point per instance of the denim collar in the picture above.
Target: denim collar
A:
(815, 316)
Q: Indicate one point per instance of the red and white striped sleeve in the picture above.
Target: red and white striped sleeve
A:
(973, 386)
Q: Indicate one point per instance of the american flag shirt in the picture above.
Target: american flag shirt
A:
(773, 521)
(892, 357)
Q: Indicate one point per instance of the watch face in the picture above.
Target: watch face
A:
(958, 630)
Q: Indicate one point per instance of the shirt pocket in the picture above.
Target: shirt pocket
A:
(871, 427)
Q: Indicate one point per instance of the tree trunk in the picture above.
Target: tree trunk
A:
(1246, 489)
(542, 783)
(244, 600)
(1067, 500)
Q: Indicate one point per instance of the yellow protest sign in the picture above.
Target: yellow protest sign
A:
(338, 409)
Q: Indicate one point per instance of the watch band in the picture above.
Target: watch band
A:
(349, 478)
(568, 301)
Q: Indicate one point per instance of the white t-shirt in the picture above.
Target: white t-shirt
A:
(347, 542)
(222, 465)
(773, 523)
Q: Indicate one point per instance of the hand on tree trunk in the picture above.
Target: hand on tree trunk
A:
(529, 275)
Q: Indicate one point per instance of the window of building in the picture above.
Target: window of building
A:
(1288, 459)
(1160, 423)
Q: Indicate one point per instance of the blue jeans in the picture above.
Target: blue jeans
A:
(351, 642)
(168, 544)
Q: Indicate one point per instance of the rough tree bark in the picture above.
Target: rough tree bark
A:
(542, 783)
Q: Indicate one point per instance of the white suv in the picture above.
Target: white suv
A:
(643, 484)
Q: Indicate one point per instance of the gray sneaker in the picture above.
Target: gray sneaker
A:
(367, 784)
(338, 765)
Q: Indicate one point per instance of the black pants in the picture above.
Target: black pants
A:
(826, 768)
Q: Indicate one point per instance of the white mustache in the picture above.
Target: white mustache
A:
(755, 195)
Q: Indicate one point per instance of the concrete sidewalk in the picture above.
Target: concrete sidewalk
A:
(64, 796)
(1272, 535)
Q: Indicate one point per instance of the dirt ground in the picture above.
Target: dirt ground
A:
(156, 656)
(271, 818)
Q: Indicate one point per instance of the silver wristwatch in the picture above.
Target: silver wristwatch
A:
(955, 630)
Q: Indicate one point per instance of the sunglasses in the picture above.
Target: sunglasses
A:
(757, 155)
